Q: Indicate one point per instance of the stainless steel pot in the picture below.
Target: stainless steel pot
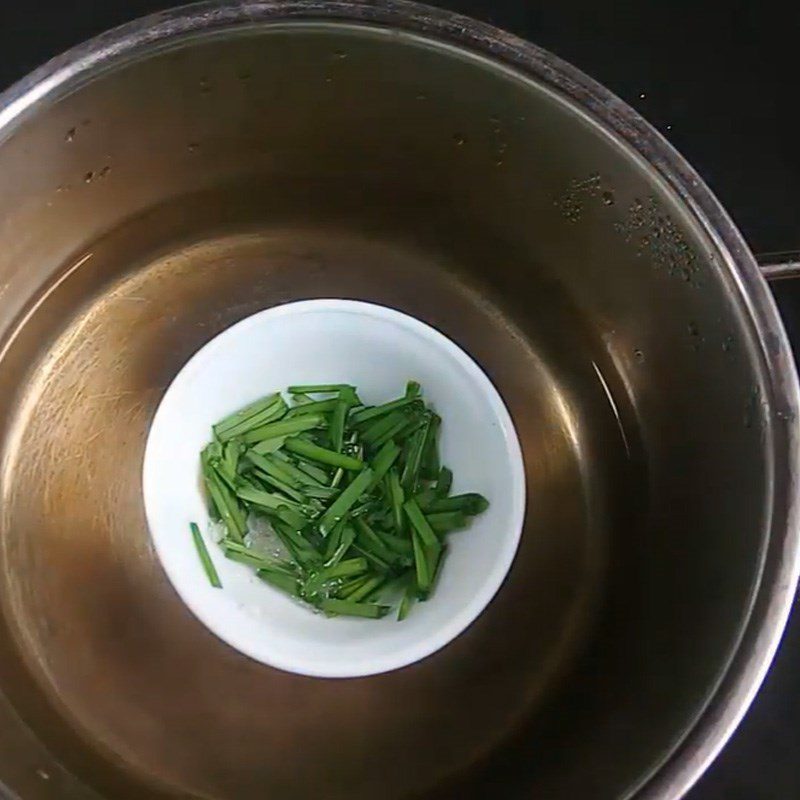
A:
(182, 172)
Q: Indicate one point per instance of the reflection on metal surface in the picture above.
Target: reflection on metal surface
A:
(41, 299)
(614, 408)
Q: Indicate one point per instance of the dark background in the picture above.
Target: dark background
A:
(722, 82)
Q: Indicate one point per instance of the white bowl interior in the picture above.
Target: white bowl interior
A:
(376, 349)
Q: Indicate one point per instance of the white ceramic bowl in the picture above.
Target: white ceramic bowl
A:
(377, 349)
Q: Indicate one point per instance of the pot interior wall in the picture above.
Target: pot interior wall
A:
(174, 194)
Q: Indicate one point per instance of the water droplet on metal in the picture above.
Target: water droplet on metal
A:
(89, 176)
(751, 408)
(422, 97)
(205, 85)
(43, 774)
(458, 139)
(70, 135)
(727, 343)
(638, 355)
(244, 75)
(104, 171)
(694, 332)
(608, 198)
(340, 54)
(193, 147)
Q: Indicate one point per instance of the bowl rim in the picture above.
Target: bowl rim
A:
(691, 754)
(377, 662)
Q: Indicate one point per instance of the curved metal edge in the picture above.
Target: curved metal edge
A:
(782, 566)
(779, 266)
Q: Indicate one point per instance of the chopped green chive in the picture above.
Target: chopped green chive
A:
(377, 411)
(286, 583)
(345, 501)
(351, 586)
(369, 540)
(252, 410)
(344, 543)
(397, 498)
(447, 521)
(333, 540)
(224, 474)
(435, 561)
(420, 524)
(375, 430)
(268, 445)
(414, 451)
(366, 588)
(398, 544)
(430, 456)
(471, 504)
(226, 504)
(269, 414)
(267, 500)
(351, 609)
(408, 600)
(421, 563)
(377, 562)
(311, 470)
(230, 457)
(383, 461)
(282, 428)
(337, 424)
(320, 388)
(337, 478)
(271, 482)
(314, 407)
(275, 468)
(205, 558)
(321, 492)
(342, 569)
(356, 495)
(346, 400)
(397, 431)
(317, 453)
(444, 482)
(252, 559)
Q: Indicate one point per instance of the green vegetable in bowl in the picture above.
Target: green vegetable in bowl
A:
(355, 495)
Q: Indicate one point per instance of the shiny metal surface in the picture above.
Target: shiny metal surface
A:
(177, 175)
(780, 266)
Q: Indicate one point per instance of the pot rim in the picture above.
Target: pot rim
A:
(681, 768)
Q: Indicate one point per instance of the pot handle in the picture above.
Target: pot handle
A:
(779, 266)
